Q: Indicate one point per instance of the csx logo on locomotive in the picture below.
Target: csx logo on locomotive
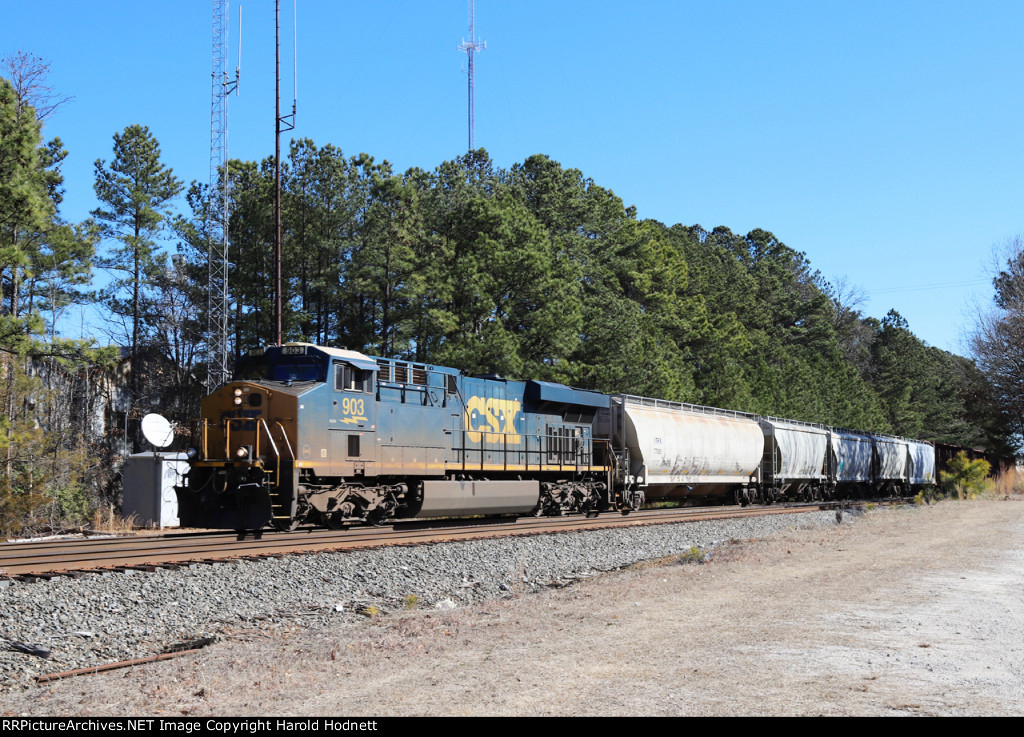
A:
(493, 419)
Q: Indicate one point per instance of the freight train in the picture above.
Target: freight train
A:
(313, 434)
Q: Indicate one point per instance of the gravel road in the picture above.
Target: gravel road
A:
(908, 611)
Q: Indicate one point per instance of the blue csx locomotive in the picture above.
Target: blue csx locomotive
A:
(333, 436)
(329, 436)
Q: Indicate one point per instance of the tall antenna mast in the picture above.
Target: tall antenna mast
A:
(470, 48)
(217, 247)
(285, 123)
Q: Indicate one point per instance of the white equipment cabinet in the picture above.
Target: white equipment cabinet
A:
(149, 480)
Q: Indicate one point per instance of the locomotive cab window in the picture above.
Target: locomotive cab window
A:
(300, 368)
(350, 379)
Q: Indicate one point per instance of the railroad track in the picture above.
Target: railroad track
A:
(46, 559)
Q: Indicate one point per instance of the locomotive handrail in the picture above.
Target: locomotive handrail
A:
(259, 421)
(576, 457)
(287, 442)
(227, 435)
(422, 389)
(277, 454)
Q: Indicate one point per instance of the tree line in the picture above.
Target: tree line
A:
(537, 271)
(531, 271)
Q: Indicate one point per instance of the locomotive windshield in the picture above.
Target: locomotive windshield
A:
(281, 368)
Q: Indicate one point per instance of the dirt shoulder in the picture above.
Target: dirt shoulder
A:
(911, 611)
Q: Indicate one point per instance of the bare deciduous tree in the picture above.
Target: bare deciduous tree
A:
(28, 75)
(998, 341)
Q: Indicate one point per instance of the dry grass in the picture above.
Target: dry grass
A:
(1009, 483)
(106, 520)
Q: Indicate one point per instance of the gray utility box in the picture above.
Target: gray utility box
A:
(149, 480)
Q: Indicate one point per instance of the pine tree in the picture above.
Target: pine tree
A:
(135, 192)
(25, 208)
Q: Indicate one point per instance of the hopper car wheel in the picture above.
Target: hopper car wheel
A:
(379, 517)
(632, 501)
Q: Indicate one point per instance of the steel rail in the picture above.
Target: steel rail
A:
(26, 559)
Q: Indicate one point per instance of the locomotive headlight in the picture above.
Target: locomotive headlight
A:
(242, 451)
(238, 396)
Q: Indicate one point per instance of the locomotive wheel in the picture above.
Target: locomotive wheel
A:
(286, 525)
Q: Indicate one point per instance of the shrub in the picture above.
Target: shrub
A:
(965, 477)
(693, 555)
(21, 512)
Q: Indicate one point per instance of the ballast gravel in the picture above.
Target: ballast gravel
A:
(109, 617)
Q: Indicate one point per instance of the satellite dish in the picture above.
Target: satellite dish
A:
(157, 430)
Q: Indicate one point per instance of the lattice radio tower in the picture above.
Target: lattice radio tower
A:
(471, 47)
(217, 233)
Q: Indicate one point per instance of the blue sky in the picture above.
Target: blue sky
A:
(881, 138)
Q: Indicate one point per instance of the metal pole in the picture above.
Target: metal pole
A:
(277, 170)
